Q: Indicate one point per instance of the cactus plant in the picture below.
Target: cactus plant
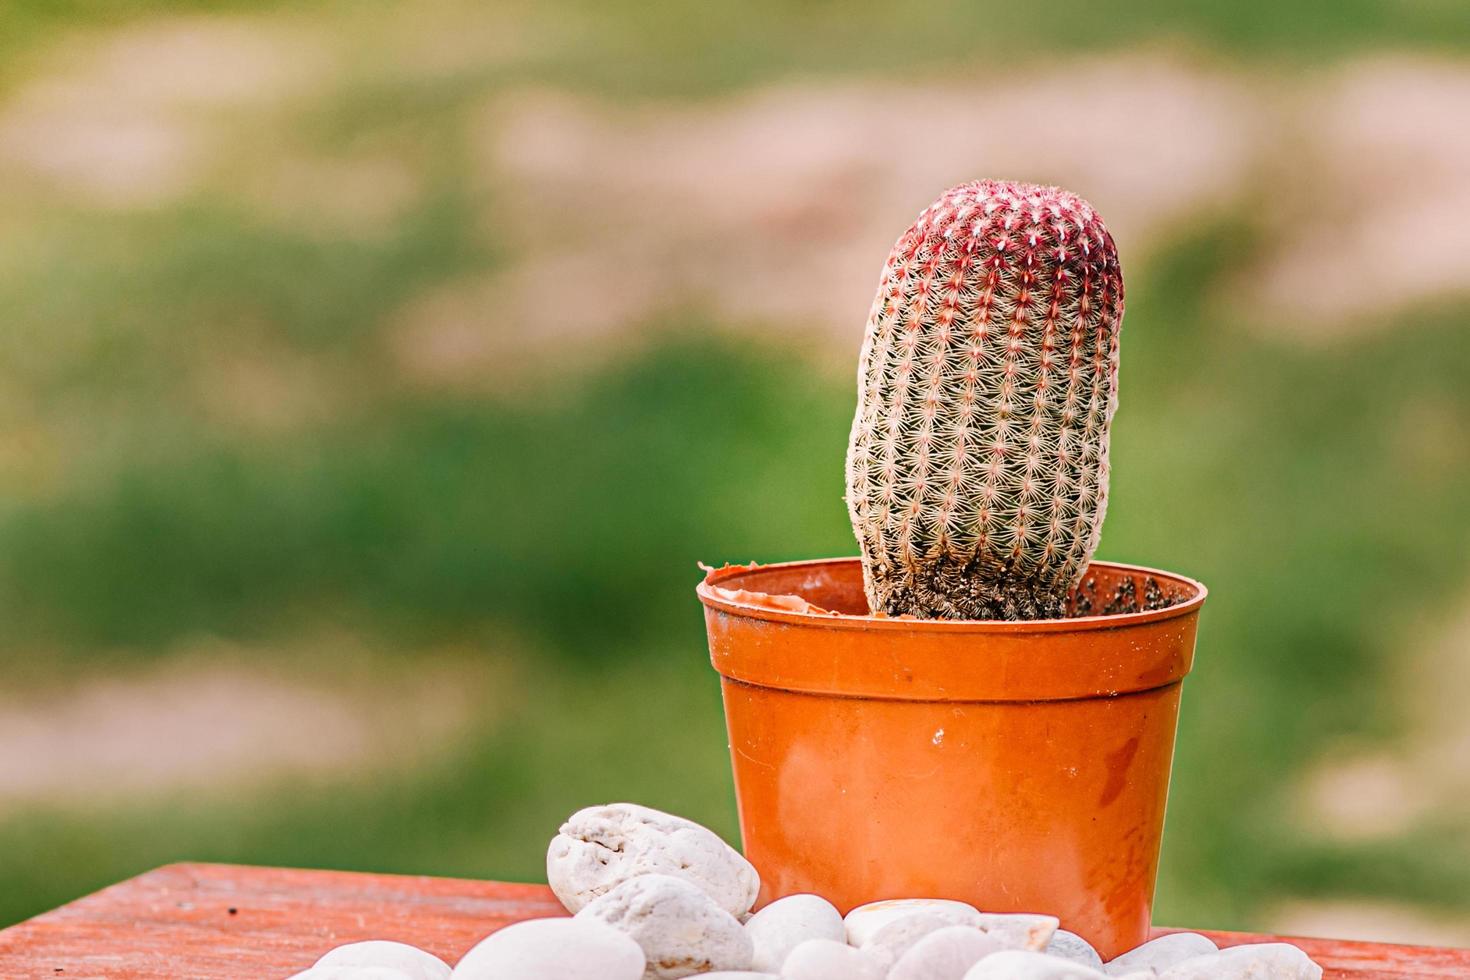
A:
(977, 472)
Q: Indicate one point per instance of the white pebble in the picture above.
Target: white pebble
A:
(1257, 961)
(945, 954)
(567, 949)
(1070, 946)
(415, 962)
(827, 959)
(1018, 930)
(900, 935)
(738, 975)
(601, 847)
(681, 930)
(786, 923)
(341, 972)
(1023, 964)
(1160, 954)
(864, 921)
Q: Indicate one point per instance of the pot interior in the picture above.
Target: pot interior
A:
(1106, 590)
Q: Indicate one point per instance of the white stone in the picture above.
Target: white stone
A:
(341, 972)
(415, 962)
(738, 975)
(1018, 930)
(945, 954)
(1257, 961)
(601, 847)
(1160, 954)
(681, 929)
(864, 921)
(567, 949)
(788, 922)
(900, 935)
(1024, 964)
(826, 959)
(1070, 946)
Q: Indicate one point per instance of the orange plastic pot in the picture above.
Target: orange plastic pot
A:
(1018, 766)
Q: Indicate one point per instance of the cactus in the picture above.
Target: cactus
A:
(977, 473)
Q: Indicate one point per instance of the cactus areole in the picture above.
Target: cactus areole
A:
(977, 472)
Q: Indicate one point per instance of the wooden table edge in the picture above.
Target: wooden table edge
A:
(223, 921)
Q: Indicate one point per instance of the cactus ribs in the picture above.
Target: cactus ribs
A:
(977, 472)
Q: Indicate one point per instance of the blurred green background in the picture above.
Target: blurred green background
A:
(373, 376)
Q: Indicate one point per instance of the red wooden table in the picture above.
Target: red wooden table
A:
(224, 922)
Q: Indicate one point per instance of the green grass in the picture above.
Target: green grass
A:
(426, 514)
(1305, 484)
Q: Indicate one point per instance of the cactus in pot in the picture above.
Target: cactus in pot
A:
(942, 744)
(977, 471)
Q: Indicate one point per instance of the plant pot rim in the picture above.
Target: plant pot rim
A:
(1195, 591)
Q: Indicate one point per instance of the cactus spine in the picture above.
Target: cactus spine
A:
(977, 472)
